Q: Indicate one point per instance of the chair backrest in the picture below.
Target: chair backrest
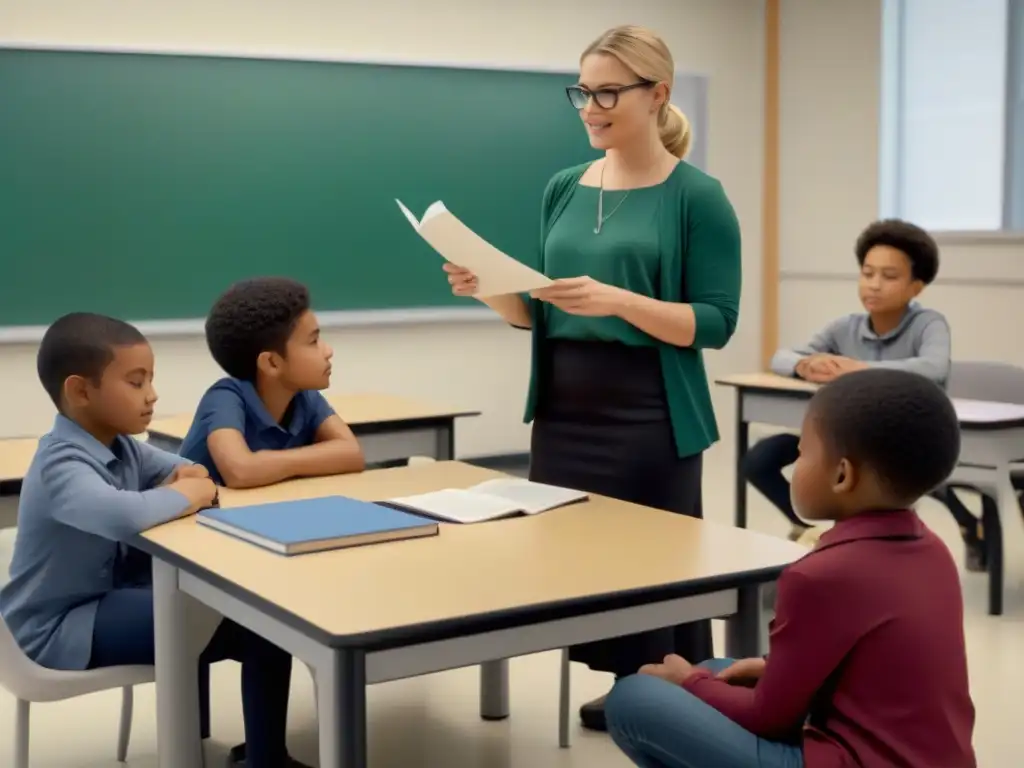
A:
(997, 382)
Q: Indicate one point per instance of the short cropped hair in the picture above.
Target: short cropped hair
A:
(252, 317)
(900, 424)
(918, 246)
(80, 344)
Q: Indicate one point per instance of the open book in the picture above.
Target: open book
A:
(489, 500)
(496, 272)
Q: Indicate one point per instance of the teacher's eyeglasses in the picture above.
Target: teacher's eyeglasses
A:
(605, 98)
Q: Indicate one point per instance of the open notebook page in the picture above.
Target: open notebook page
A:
(530, 497)
(459, 506)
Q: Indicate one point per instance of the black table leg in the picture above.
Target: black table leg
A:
(992, 529)
(745, 630)
(742, 443)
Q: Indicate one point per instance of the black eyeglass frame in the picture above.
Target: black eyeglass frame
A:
(612, 91)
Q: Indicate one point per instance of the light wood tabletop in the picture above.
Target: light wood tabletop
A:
(767, 381)
(972, 414)
(357, 410)
(15, 456)
(584, 551)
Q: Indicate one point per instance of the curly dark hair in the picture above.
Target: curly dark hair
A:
(900, 424)
(80, 344)
(252, 317)
(909, 239)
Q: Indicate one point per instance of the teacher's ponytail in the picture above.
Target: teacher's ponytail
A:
(674, 129)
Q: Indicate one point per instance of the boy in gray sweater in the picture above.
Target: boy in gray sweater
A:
(897, 260)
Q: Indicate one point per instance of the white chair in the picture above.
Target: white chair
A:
(29, 682)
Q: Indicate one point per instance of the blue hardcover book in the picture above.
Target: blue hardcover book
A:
(314, 525)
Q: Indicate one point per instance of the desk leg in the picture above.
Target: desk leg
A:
(177, 659)
(1009, 515)
(444, 449)
(341, 705)
(742, 443)
(993, 528)
(494, 690)
(746, 631)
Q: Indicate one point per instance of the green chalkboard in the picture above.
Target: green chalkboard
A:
(141, 185)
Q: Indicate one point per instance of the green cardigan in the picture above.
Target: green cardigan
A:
(700, 265)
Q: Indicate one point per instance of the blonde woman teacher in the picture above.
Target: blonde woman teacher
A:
(645, 253)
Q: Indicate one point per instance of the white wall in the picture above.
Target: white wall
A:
(829, 177)
(723, 39)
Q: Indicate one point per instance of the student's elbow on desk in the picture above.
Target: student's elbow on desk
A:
(237, 477)
(348, 456)
(345, 453)
(238, 466)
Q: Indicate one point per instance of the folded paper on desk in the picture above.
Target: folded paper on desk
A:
(497, 273)
(489, 500)
(314, 525)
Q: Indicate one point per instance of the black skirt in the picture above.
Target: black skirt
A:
(602, 426)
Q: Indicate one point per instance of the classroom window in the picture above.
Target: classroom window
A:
(952, 113)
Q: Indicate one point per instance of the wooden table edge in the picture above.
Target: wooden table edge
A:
(781, 391)
(805, 394)
(462, 626)
(364, 427)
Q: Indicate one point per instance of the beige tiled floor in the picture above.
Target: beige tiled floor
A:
(433, 721)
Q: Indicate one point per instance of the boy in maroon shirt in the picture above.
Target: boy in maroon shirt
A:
(867, 666)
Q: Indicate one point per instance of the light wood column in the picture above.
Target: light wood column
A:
(770, 190)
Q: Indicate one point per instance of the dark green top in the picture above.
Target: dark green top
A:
(624, 254)
(678, 241)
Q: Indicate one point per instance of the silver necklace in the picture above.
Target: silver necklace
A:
(601, 218)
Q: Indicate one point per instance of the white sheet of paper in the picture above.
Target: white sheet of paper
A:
(531, 497)
(497, 273)
(459, 506)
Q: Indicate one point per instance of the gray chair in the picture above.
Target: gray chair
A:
(979, 380)
(995, 382)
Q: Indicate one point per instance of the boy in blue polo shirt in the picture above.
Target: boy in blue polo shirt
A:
(267, 421)
(80, 597)
(897, 260)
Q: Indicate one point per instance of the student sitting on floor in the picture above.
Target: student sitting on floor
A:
(866, 663)
(268, 421)
(897, 260)
(79, 597)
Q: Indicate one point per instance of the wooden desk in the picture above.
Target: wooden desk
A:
(15, 455)
(474, 594)
(389, 428)
(991, 439)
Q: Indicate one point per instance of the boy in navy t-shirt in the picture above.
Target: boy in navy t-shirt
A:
(267, 421)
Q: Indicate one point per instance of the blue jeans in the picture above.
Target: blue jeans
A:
(123, 634)
(660, 725)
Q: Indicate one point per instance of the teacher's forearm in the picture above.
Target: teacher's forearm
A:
(666, 321)
(512, 308)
